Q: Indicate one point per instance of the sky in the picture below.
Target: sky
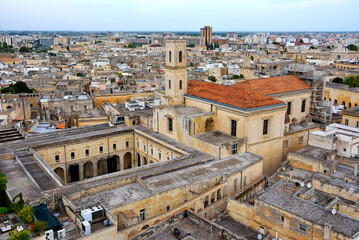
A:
(180, 15)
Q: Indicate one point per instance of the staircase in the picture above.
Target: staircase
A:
(10, 134)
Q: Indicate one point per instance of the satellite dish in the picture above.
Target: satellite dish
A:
(334, 211)
(259, 236)
(302, 184)
(309, 185)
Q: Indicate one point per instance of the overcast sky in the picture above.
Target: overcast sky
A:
(180, 15)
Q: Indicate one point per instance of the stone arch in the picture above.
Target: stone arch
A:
(206, 202)
(74, 173)
(180, 56)
(349, 105)
(101, 167)
(127, 161)
(60, 172)
(213, 196)
(145, 227)
(218, 194)
(144, 161)
(88, 170)
(112, 164)
(8, 107)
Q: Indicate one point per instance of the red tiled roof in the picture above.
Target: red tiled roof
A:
(60, 126)
(248, 94)
(273, 85)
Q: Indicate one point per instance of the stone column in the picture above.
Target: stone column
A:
(122, 162)
(356, 169)
(81, 171)
(95, 169)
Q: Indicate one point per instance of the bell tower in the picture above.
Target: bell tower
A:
(176, 72)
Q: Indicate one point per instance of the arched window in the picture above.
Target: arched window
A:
(170, 56)
(169, 84)
(336, 101)
(180, 56)
(180, 84)
(350, 105)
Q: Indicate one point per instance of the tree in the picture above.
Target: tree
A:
(24, 49)
(252, 58)
(312, 47)
(26, 214)
(39, 227)
(80, 74)
(191, 64)
(23, 235)
(191, 45)
(3, 181)
(301, 41)
(337, 80)
(352, 81)
(276, 43)
(352, 47)
(52, 54)
(18, 87)
(241, 76)
(212, 78)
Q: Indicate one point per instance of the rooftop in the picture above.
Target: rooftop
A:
(282, 196)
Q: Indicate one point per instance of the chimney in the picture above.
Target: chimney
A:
(356, 169)
(291, 174)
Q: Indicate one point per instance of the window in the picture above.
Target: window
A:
(235, 148)
(101, 149)
(357, 124)
(289, 108)
(245, 181)
(234, 128)
(144, 147)
(143, 214)
(180, 56)
(57, 158)
(168, 208)
(72, 155)
(303, 105)
(346, 122)
(169, 56)
(151, 151)
(169, 84)
(300, 139)
(336, 101)
(302, 228)
(170, 124)
(282, 218)
(344, 149)
(235, 184)
(285, 143)
(343, 103)
(85, 108)
(265, 126)
(87, 152)
(180, 84)
(159, 156)
(127, 144)
(114, 146)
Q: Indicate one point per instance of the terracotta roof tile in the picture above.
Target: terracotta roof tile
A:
(248, 94)
(273, 85)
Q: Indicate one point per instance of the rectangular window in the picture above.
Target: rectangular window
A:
(87, 152)
(143, 214)
(152, 151)
(168, 208)
(302, 228)
(303, 105)
(114, 146)
(265, 126)
(235, 184)
(101, 149)
(159, 156)
(245, 181)
(72, 155)
(235, 148)
(127, 144)
(300, 139)
(289, 108)
(170, 124)
(357, 124)
(282, 218)
(234, 128)
(346, 122)
(57, 158)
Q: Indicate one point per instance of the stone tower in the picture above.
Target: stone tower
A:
(176, 72)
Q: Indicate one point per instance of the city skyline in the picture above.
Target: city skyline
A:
(140, 15)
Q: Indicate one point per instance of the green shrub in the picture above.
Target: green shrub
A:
(4, 210)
